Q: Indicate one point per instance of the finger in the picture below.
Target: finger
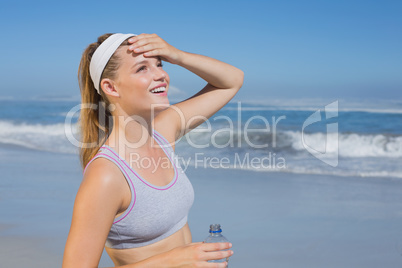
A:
(217, 255)
(145, 35)
(216, 246)
(216, 265)
(135, 39)
(142, 38)
(144, 45)
(139, 41)
(150, 50)
(154, 53)
(139, 36)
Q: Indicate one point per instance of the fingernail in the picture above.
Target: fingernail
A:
(231, 252)
(230, 244)
(137, 50)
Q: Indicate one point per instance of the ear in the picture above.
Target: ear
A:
(109, 88)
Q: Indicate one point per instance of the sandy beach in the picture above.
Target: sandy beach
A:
(272, 219)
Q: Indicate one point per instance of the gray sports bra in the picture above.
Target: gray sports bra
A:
(155, 212)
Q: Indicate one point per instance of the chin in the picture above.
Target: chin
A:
(160, 105)
(164, 101)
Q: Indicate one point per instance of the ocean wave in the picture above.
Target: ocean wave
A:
(41, 137)
(349, 144)
(313, 109)
(364, 155)
(353, 145)
(274, 163)
(51, 98)
(330, 144)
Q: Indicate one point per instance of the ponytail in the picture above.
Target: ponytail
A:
(95, 120)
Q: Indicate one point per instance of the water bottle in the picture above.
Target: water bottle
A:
(215, 236)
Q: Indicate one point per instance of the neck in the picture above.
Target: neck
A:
(131, 133)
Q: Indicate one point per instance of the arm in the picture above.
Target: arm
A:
(223, 82)
(98, 200)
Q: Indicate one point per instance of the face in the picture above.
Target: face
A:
(142, 83)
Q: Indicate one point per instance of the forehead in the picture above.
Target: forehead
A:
(130, 58)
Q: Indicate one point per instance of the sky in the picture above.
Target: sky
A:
(287, 49)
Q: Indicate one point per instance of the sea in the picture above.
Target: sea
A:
(302, 136)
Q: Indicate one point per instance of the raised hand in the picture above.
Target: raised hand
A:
(151, 45)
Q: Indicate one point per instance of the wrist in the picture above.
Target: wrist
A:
(181, 57)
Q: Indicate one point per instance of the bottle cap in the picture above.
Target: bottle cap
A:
(215, 228)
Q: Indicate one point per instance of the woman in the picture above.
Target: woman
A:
(138, 212)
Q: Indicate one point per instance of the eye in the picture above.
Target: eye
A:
(141, 68)
(160, 64)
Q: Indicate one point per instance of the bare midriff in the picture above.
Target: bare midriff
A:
(133, 255)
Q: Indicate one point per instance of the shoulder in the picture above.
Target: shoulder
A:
(101, 170)
(102, 180)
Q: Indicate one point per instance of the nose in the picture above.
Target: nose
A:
(160, 75)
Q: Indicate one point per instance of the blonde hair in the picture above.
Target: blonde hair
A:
(95, 120)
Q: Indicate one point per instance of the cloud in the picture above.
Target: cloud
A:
(174, 91)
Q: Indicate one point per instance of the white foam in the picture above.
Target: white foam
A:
(350, 145)
(37, 136)
(367, 155)
(332, 144)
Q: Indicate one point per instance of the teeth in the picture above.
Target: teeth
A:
(159, 89)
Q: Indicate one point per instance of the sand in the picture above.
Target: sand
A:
(272, 219)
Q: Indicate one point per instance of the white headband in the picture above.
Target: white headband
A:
(102, 55)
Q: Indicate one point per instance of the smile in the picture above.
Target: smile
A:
(158, 90)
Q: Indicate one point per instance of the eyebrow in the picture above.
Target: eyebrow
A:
(139, 63)
(144, 62)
